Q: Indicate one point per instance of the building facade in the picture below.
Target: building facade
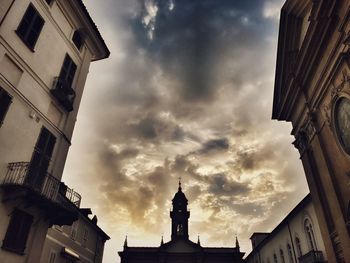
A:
(83, 241)
(46, 47)
(180, 248)
(312, 92)
(296, 239)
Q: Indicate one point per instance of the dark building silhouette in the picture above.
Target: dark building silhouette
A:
(180, 248)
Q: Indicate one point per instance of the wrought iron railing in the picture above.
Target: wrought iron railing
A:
(63, 92)
(314, 256)
(45, 185)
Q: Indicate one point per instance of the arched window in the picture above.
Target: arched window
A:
(298, 245)
(282, 256)
(290, 253)
(275, 258)
(310, 234)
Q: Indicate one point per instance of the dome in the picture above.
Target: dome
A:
(180, 197)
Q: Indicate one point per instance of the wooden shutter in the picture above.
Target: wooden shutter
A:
(68, 70)
(5, 101)
(18, 231)
(30, 26)
(41, 158)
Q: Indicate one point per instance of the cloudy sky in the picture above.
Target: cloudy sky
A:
(186, 92)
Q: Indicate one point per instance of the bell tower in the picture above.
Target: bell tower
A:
(179, 216)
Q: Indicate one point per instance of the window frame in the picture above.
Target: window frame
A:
(30, 27)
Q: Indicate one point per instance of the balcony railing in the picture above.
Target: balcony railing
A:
(312, 257)
(63, 93)
(47, 186)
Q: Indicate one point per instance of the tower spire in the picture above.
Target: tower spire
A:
(198, 241)
(237, 243)
(126, 241)
(180, 188)
(162, 241)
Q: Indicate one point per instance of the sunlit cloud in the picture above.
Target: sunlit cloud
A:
(187, 92)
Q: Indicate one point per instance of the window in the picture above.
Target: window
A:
(85, 237)
(74, 231)
(30, 27)
(310, 234)
(52, 257)
(41, 158)
(17, 231)
(77, 39)
(68, 71)
(298, 245)
(290, 253)
(341, 122)
(282, 256)
(275, 258)
(5, 101)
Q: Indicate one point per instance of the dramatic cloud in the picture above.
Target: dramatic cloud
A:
(187, 92)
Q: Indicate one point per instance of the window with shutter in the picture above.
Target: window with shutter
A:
(17, 231)
(30, 27)
(68, 71)
(5, 101)
(41, 157)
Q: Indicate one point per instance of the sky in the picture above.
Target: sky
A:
(187, 92)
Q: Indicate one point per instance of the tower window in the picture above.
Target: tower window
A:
(5, 101)
(30, 27)
(180, 230)
(17, 232)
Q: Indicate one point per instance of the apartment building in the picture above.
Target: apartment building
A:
(46, 47)
(83, 241)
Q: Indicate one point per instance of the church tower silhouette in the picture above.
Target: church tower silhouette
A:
(179, 216)
(180, 248)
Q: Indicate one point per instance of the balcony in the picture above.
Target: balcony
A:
(42, 190)
(312, 257)
(63, 93)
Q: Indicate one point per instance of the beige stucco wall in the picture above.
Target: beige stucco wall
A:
(28, 77)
